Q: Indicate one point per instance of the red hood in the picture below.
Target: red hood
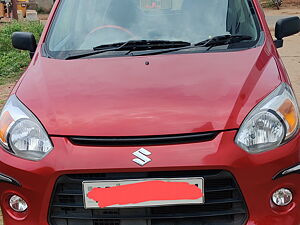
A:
(123, 96)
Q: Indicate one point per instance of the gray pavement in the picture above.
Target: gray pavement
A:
(273, 19)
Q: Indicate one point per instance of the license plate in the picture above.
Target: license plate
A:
(143, 192)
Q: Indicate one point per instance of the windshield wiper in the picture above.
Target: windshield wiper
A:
(208, 44)
(132, 45)
(145, 44)
(223, 40)
(167, 46)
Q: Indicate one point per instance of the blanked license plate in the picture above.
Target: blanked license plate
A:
(143, 192)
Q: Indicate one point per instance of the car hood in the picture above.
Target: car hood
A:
(147, 95)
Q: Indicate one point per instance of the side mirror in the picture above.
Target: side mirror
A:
(24, 41)
(286, 27)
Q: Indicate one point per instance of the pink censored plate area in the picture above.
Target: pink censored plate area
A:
(142, 193)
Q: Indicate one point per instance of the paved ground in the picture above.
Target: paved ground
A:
(274, 15)
(290, 54)
(273, 19)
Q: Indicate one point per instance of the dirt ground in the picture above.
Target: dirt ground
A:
(4, 91)
(283, 11)
(285, 3)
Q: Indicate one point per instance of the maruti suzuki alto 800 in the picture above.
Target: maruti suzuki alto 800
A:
(152, 112)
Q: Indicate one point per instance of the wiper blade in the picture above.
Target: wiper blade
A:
(208, 44)
(98, 50)
(223, 40)
(132, 45)
(145, 45)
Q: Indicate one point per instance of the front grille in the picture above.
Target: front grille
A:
(224, 203)
(145, 140)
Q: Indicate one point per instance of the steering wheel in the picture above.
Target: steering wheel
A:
(113, 27)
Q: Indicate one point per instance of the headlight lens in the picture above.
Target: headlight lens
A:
(21, 133)
(271, 123)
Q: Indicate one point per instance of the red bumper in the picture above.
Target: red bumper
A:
(253, 174)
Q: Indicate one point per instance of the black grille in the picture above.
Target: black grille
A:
(224, 204)
(144, 140)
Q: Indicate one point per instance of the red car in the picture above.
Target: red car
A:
(161, 112)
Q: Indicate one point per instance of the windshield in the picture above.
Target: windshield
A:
(84, 24)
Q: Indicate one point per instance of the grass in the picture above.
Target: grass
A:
(13, 61)
(268, 4)
(2, 101)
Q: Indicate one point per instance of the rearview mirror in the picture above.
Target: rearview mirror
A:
(24, 41)
(286, 27)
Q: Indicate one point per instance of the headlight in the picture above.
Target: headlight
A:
(21, 133)
(273, 122)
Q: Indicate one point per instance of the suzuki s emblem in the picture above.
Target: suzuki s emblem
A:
(142, 158)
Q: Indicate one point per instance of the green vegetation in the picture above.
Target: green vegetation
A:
(2, 102)
(267, 3)
(12, 61)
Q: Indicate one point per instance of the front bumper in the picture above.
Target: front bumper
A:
(253, 173)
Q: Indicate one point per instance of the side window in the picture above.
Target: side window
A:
(248, 27)
(240, 19)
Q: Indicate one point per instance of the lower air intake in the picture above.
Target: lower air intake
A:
(224, 203)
